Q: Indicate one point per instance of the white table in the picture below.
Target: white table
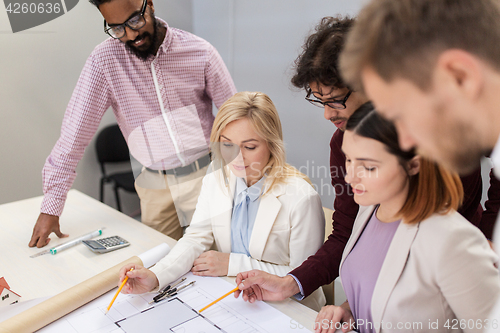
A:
(48, 275)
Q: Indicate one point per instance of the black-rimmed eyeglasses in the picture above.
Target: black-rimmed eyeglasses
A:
(135, 23)
(335, 104)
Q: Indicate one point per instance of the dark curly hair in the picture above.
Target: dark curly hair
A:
(318, 61)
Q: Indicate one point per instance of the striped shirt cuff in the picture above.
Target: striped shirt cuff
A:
(52, 206)
(300, 295)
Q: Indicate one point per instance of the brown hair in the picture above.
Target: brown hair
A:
(259, 109)
(432, 190)
(404, 38)
(318, 61)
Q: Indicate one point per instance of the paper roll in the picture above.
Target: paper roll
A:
(69, 300)
(60, 305)
(151, 257)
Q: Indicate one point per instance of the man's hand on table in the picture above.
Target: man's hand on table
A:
(262, 286)
(45, 225)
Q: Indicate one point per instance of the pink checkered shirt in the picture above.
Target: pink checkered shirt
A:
(187, 72)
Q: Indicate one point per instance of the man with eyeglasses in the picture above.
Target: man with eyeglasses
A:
(161, 83)
(318, 74)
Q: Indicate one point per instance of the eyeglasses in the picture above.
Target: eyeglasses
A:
(335, 104)
(135, 23)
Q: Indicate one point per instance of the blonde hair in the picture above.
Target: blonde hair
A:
(258, 108)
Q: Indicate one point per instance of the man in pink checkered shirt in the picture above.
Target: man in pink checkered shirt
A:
(160, 83)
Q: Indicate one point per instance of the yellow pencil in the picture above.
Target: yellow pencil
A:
(218, 299)
(118, 291)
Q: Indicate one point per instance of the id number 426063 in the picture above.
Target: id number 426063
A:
(32, 8)
(471, 324)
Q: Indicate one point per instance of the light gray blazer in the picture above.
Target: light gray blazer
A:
(437, 270)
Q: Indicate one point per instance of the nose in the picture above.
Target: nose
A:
(330, 113)
(239, 158)
(350, 175)
(406, 141)
(130, 33)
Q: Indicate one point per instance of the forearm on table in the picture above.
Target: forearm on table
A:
(239, 262)
(181, 258)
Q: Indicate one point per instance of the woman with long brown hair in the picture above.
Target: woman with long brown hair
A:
(412, 263)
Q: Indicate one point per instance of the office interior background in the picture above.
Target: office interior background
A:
(258, 40)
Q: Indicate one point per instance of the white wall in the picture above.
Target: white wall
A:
(259, 40)
(38, 72)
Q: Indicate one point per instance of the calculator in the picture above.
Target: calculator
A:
(107, 244)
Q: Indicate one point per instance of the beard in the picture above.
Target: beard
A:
(465, 160)
(335, 119)
(153, 41)
(458, 149)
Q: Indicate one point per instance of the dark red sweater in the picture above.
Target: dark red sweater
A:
(323, 267)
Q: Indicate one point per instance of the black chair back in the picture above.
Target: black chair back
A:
(111, 146)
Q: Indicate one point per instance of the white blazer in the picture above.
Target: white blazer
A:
(289, 227)
(441, 269)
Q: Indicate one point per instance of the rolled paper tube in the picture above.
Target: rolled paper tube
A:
(69, 300)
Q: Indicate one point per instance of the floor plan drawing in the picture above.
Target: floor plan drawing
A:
(133, 313)
(172, 315)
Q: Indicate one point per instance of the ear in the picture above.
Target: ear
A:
(463, 70)
(413, 166)
(150, 4)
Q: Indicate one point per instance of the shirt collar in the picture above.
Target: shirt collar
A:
(253, 191)
(168, 37)
(495, 156)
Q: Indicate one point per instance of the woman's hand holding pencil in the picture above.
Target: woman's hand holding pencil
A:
(118, 291)
(140, 279)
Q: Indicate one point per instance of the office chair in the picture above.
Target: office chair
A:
(111, 147)
(329, 289)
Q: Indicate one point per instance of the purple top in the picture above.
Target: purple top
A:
(362, 266)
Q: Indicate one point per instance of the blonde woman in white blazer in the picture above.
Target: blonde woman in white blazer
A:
(286, 212)
(412, 263)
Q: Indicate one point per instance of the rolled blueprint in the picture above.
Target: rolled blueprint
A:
(63, 303)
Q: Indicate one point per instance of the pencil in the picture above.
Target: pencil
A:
(118, 291)
(218, 299)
